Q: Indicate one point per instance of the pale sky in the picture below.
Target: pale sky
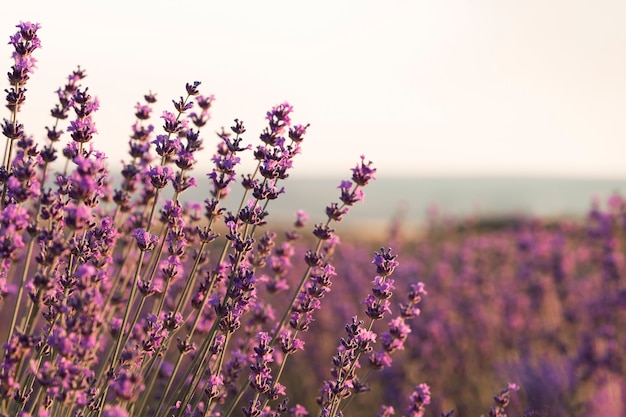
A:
(480, 87)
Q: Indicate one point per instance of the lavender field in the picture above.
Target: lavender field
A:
(128, 298)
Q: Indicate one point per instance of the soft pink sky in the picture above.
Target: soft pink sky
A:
(420, 87)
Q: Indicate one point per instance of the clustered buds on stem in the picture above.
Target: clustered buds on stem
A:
(25, 42)
(120, 296)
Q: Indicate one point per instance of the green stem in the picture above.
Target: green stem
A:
(131, 300)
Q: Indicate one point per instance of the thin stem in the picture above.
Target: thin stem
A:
(189, 336)
(189, 282)
(6, 161)
(131, 300)
(20, 291)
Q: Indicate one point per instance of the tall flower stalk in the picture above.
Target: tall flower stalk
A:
(127, 303)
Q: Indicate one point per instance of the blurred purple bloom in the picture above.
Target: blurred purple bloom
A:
(127, 385)
(114, 411)
(420, 398)
(386, 411)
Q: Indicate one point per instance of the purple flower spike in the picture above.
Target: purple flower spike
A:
(128, 385)
(261, 378)
(167, 147)
(296, 133)
(278, 117)
(214, 386)
(502, 401)
(25, 41)
(170, 123)
(159, 176)
(145, 241)
(363, 173)
(83, 128)
(385, 262)
(28, 31)
(192, 88)
(420, 398)
(350, 194)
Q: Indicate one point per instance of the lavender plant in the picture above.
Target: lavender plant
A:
(122, 298)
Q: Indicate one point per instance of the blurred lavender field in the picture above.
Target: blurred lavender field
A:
(534, 300)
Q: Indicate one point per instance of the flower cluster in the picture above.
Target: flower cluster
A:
(25, 42)
(123, 297)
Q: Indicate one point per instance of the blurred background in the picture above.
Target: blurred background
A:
(478, 107)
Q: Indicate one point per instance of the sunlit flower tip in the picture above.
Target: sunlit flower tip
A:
(181, 105)
(145, 240)
(159, 176)
(385, 262)
(28, 30)
(171, 124)
(192, 88)
(280, 113)
(150, 97)
(297, 132)
(12, 130)
(238, 128)
(76, 75)
(363, 173)
(82, 130)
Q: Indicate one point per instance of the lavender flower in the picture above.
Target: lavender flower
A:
(420, 398)
(127, 303)
(25, 42)
(145, 240)
(502, 401)
(83, 128)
